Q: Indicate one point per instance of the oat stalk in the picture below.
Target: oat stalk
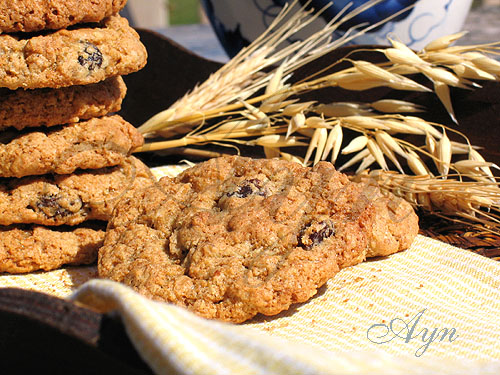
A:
(439, 174)
(248, 72)
(437, 160)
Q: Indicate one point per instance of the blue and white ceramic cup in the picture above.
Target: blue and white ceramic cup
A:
(238, 22)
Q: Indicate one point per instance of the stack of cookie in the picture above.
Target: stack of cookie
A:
(64, 158)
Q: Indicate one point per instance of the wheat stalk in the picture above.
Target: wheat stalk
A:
(243, 75)
(467, 201)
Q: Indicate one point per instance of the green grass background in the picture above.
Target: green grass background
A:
(183, 11)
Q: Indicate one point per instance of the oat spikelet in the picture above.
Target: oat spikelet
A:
(471, 167)
(409, 56)
(230, 126)
(443, 42)
(460, 148)
(397, 126)
(316, 122)
(365, 122)
(443, 92)
(272, 152)
(430, 143)
(444, 154)
(343, 109)
(377, 153)
(374, 72)
(356, 82)
(398, 56)
(333, 143)
(474, 155)
(290, 157)
(367, 161)
(355, 145)
(355, 159)
(390, 142)
(466, 70)
(445, 58)
(296, 108)
(318, 141)
(421, 124)
(296, 122)
(395, 106)
(276, 140)
(323, 137)
(443, 76)
(487, 64)
(388, 146)
(416, 164)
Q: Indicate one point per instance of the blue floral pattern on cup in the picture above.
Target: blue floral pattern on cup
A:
(371, 16)
(238, 22)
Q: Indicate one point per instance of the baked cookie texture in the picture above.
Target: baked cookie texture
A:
(30, 16)
(92, 144)
(70, 199)
(26, 248)
(64, 58)
(21, 109)
(64, 159)
(234, 237)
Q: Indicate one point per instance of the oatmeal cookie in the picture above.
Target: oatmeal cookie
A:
(28, 248)
(70, 199)
(96, 143)
(48, 107)
(234, 237)
(30, 16)
(64, 58)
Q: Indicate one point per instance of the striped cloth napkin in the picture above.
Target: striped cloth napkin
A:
(431, 309)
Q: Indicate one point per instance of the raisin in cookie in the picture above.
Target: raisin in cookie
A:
(92, 144)
(234, 237)
(28, 248)
(48, 107)
(70, 199)
(71, 57)
(29, 15)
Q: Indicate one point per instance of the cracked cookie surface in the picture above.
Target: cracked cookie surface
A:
(79, 56)
(49, 107)
(96, 143)
(70, 199)
(29, 248)
(234, 237)
(30, 16)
